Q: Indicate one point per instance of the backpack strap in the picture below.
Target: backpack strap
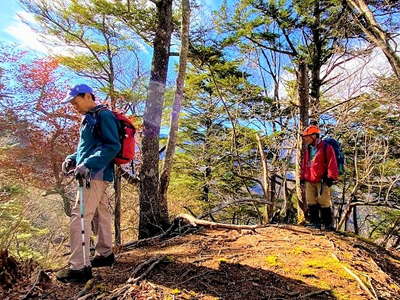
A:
(96, 114)
(325, 147)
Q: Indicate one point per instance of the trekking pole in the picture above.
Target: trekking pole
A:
(82, 210)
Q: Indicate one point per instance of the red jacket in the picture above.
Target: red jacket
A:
(323, 164)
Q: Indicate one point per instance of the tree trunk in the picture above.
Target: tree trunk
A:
(316, 63)
(340, 210)
(374, 32)
(154, 216)
(206, 186)
(269, 208)
(355, 220)
(303, 91)
(272, 184)
(66, 201)
(117, 209)
(117, 169)
(346, 213)
(176, 107)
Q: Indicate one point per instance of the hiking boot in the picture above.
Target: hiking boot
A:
(327, 220)
(74, 276)
(313, 214)
(101, 261)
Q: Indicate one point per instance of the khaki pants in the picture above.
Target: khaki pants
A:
(314, 195)
(94, 198)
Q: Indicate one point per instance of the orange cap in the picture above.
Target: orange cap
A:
(312, 129)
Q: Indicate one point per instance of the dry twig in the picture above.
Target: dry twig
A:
(360, 282)
(125, 290)
(40, 277)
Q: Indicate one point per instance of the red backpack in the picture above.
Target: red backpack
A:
(126, 137)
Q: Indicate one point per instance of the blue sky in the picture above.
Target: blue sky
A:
(8, 12)
(12, 30)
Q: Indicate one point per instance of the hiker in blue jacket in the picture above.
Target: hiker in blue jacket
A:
(98, 145)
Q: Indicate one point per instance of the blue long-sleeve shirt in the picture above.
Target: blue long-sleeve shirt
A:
(99, 143)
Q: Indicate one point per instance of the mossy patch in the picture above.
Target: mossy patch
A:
(323, 285)
(307, 272)
(298, 250)
(328, 263)
(175, 292)
(169, 259)
(272, 260)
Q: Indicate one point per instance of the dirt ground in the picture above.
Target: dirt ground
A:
(277, 262)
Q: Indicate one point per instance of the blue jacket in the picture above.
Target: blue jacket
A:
(99, 143)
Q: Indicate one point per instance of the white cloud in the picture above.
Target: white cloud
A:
(356, 76)
(30, 39)
(349, 78)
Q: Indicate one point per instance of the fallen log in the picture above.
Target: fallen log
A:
(191, 222)
(197, 222)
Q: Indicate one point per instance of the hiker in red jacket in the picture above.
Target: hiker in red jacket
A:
(319, 171)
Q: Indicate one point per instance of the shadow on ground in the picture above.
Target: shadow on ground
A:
(234, 281)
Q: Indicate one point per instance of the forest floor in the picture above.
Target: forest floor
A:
(276, 262)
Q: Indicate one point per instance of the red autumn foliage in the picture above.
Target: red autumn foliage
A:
(37, 130)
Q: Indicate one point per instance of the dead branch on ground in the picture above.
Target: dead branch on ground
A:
(124, 291)
(197, 222)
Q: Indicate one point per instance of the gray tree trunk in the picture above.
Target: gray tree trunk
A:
(355, 220)
(176, 107)
(154, 217)
(269, 208)
(373, 31)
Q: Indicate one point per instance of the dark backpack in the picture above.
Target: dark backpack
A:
(338, 153)
(126, 132)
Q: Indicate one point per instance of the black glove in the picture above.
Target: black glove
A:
(330, 182)
(302, 181)
(68, 165)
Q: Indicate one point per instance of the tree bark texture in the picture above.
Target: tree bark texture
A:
(355, 220)
(153, 216)
(269, 208)
(316, 63)
(117, 209)
(176, 106)
(303, 94)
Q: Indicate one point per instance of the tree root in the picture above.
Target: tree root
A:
(176, 224)
(370, 292)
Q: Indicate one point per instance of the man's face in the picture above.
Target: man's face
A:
(309, 139)
(81, 103)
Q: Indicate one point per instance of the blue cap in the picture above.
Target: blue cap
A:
(76, 90)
